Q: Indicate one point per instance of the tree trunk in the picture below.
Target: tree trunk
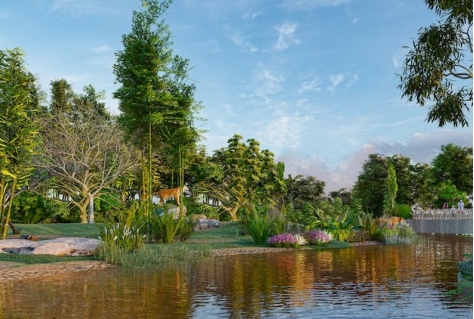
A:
(9, 210)
(90, 214)
(233, 213)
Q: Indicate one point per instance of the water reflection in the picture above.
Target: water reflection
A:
(366, 282)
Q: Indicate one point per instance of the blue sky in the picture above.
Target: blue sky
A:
(314, 81)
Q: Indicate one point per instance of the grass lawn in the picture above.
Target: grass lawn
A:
(201, 242)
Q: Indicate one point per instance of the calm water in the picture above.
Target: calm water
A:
(360, 282)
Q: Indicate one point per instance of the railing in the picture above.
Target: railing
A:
(442, 214)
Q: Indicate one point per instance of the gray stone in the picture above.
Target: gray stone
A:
(16, 243)
(205, 223)
(63, 246)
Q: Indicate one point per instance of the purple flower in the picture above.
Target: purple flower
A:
(317, 237)
(283, 240)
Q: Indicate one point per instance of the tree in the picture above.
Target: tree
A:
(391, 188)
(152, 92)
(438, 59)
(302, 189)
(19, 101)
(85, 157)
(424, 190)
(370, 184)
(251, 176)
(454, 163)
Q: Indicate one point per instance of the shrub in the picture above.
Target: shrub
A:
(283, 240)
(402, 234)
(164, 227)
(186, 229)
(317, 237)
(119, 240)
(260, 227)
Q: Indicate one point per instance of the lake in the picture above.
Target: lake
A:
(378, 281)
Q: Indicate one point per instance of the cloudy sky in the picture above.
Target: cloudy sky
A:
(314, 81)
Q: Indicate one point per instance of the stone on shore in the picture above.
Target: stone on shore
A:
(62, 246)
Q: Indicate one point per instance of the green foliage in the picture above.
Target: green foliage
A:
(30, 208)
(253, 176)
(303, 189)
(19, 103)
(186, 229)
(402, 234)
(454, 164)
(370, 185)
(402, 210)
(165, 227)
(438, 61)
(341, 227)
(391, 188)
(259, 225)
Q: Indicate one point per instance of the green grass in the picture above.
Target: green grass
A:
(66, 229)
(198, 245)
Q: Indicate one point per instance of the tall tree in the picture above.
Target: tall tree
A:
(391, 188)
(454, 163)
(151, 79)
(424, 190)
(19, 101)
(251, 175)
(439, 60)
(303, 189)
(370, 184)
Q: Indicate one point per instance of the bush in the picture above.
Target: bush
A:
(402, 234)
(286, 240)
(164, 227)
(119, 240)
(317, 237)
(260, 227)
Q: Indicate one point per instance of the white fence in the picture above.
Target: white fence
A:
(442, 214)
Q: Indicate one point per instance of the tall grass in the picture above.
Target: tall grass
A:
(157, 255)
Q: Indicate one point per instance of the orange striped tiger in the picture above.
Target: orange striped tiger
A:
(164, 194)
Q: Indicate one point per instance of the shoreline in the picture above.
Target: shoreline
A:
(14, 271)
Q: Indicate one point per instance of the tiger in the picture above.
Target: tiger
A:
(393, 221)
(164, 194)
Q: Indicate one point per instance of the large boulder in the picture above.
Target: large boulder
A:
(206, 223)
(63, 246)
(17, 245)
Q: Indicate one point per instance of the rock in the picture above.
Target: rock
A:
(205, 223)
(16, 243)
(176, 211)
(195, 217)
(63, 246)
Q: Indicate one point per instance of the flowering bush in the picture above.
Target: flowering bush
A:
(317, 237)
(283, 240)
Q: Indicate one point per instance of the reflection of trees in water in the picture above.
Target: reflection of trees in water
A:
(243, 286)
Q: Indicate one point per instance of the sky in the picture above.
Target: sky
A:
(314, 81)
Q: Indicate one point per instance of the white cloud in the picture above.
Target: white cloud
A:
(100, 49)
(312, 85)
(285, 35)
(251, 15)
(268, 85)
(242, 43)
(335, 80)
(313, 4)
(421, 148)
